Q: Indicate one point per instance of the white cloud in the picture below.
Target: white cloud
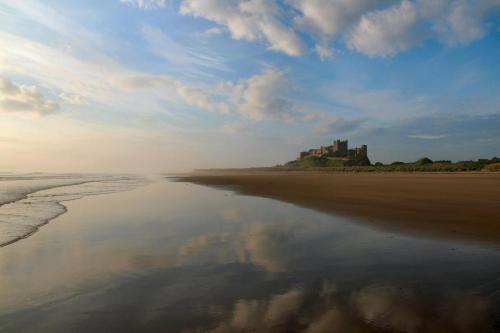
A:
(264, 96)
(375, 28)
(186, 60)
(409, 23)
(89, 82)
(72, 37)
(143, 81)
(14, 98)
(324, 52)
(458, 22)
(190, 94)
(210, 32)
(147, 4)
(259, 97)
(461, 26)
(72, 98)
(386, 32)
(57, 69)
(326, 18)
(427, 136)
(249, 20)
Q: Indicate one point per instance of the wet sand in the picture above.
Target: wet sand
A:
(456, 205)
(177, 257)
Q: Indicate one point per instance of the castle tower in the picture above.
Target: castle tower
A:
(364, 151)
(340, 148)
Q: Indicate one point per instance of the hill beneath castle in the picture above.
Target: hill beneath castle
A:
(327, 162)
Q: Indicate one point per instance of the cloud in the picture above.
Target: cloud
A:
(264, 96)
(143, 81)
(60, 70)
(324, 52)
(259, 97)
(249, 20)
(190, 94)
(23, 98)
(190, 60)
(198, 97)
(426, 136)
(326, 18)
(210, 32)
(409, 23)
(458, 22)
(72, 98)
(146, 4)
(386, 32)
(374, 28)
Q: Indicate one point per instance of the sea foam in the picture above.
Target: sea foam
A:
(29, 201)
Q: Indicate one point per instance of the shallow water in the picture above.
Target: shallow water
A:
(177, 257)
(28, 201)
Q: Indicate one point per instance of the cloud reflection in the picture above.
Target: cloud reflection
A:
(266, 316)
(214, 249)
(370, 309)
(269, 246)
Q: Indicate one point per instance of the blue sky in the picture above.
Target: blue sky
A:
(170, 85)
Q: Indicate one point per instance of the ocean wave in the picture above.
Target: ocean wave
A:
(30, 201)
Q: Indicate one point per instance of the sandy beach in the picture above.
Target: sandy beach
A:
(457, 205)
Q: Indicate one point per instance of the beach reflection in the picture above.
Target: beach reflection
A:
(371, 309)
(174, 257)
(266, 246)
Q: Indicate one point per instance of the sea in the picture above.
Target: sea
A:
(28, 201)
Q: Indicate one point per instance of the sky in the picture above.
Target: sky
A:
(176, 85)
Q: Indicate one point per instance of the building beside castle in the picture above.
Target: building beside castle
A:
(339, 149)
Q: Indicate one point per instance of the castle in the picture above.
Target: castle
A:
(338, 149)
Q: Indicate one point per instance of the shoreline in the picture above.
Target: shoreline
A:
(43, 221)
(457, 205)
